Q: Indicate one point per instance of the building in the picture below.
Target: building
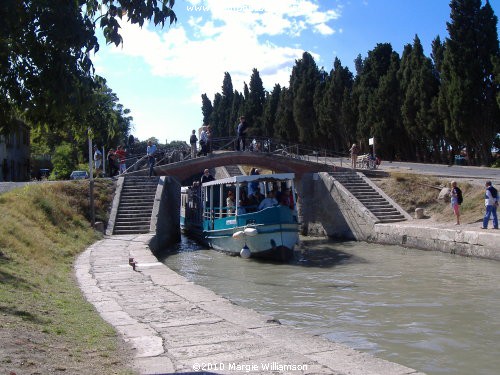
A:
(15, 154)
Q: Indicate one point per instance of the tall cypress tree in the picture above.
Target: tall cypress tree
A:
(270, 108)
(284, 127)
(373, 68)
(330, 115)
(226, 104)
(217, 118)
(467, 96)
(236, 111)
(419, 87)
(206, 109)
(303, 80)
(390, 139)
(255, 104)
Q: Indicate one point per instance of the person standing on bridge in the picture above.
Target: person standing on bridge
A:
(354, 150)
(203, 141)
(241, 132)
(150, 153)
(491, 204)
(192, 141)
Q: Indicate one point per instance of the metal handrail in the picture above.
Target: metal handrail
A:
(262, 144)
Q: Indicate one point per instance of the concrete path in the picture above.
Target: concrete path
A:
(177, 326)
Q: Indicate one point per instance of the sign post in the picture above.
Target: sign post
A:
(371, 142)
(91, 182)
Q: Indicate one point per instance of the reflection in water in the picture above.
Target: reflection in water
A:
(434, 312)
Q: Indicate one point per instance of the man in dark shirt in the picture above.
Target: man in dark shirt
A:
(241, 132)
(206, 177)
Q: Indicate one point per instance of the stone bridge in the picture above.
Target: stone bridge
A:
(183, 170)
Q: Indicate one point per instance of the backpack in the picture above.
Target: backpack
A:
(493, 191)
(460, 198)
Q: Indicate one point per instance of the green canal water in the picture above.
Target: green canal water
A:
(437, 313)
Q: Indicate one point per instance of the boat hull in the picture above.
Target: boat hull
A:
(271, 241)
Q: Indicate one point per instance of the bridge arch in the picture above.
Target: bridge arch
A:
(185, 169)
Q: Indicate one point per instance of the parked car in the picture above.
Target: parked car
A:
(78, 175)
(43, 173)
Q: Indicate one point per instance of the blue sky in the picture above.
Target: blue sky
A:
(160, 74)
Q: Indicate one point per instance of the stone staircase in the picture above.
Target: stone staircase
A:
(136, 204)
(232, 170)
(369, 197)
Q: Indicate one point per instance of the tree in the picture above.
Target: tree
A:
(373, 68)
(254, 105)
(332, 124)
(303, 80)
(45, 68)
(226, 104)
(386, 117)
(270, 109)
(64, 161)
(217, 118)
(284, 126)
(419, 88)
(206, 108)
(467, 99)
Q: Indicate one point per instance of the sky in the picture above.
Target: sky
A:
(161, 73)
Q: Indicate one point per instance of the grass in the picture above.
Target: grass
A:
(44, 227)
(411, 191)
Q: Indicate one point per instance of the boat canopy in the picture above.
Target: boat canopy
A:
(256, 177)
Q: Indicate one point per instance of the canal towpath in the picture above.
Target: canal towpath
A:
(174, 325)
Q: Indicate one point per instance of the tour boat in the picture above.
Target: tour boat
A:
(245, 228)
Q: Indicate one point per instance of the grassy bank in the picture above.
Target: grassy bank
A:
(411, 191)
(46, 326)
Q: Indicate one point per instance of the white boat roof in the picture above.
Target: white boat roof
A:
(255, 177)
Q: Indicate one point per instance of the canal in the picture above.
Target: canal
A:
(435, 312)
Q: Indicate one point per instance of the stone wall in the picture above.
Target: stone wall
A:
(453, 241)
(165, 218)
(328, 209)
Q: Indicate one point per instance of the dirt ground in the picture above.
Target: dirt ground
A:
(27, 352)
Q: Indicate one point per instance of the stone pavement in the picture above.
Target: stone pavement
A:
(177, 326)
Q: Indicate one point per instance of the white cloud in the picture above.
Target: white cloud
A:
(228, 35)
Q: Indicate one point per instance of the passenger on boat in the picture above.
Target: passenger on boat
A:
(252, 203)
(241, 208)
(286, 198)
(269, 201)
(253, 185)
(230, 203)
(258, 196)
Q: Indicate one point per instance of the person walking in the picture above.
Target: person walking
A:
(112, 164)
(192, 141)
(456, 200)
(491, 204)
(120, 154)
(97, 161)
(354, 150)
(150, 152)
(241, 132)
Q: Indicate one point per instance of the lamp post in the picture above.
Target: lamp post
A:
(91, 182)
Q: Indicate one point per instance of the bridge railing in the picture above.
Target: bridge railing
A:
(253, 144)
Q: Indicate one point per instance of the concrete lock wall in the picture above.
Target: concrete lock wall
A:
(165, 218)
(328, 209)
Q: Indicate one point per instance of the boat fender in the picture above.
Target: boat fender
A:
(239, 234)
(245, 253)
(250, 232)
